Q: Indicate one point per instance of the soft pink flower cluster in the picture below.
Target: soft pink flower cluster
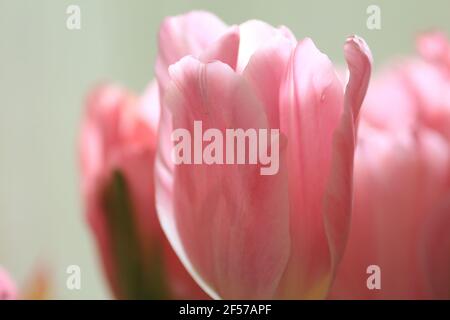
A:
(312, 229)
(401, 212)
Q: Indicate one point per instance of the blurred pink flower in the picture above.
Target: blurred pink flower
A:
(117, 148)
(241, 234)
(8, 289)
(401, 214)
(413, 91)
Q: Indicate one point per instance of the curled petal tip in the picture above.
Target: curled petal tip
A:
(307, 40)
(359, 61)
(355, 44)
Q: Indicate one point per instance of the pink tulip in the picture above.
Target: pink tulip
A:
(8, 289)
(239, 233)
(401, 214)
(117, 148)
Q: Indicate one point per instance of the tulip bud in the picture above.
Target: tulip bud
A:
(117, 149)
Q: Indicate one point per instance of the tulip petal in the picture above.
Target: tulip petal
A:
(227, 223)
(187, 34)
(225, 49)
(265, 71)
(100, 129)
(255, 34)
(338, 196)
(359, 61)
(311, 101)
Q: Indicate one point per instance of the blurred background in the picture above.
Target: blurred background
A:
(46, 71)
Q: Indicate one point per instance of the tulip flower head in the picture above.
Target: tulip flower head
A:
(241, 234)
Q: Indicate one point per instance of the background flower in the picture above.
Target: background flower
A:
(402, 187)
(117, 148)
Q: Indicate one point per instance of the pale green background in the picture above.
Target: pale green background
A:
(45, 71)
